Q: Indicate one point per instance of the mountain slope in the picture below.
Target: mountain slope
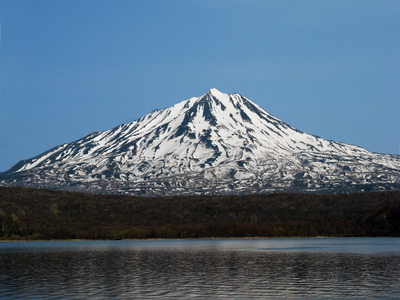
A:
(214, 144)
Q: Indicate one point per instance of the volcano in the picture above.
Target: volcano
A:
(214, 144)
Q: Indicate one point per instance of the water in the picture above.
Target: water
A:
(242, 268)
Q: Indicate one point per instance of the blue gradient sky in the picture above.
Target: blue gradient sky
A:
(68, 68)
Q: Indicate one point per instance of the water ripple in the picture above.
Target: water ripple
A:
(235, 271)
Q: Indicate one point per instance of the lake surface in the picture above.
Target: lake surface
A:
(237, 268)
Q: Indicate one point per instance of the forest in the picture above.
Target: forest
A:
(38, 214)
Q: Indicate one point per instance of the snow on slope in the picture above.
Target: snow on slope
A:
(216, 143)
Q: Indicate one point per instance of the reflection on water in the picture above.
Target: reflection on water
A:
(275, 268)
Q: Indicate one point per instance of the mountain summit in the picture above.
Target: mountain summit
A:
(214, 144)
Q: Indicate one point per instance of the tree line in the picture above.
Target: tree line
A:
(30, 214)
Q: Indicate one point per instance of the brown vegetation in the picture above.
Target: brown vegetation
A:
(46, 214)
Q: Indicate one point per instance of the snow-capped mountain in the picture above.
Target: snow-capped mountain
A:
(214, 144)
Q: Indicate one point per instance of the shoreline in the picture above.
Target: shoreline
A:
(203, 238)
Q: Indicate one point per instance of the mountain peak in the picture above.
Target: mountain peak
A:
(218, 97)
(214, 92)
(217, 94)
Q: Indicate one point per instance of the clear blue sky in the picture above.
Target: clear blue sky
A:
(68, 68)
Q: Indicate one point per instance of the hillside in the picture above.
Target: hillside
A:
(27, 213)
